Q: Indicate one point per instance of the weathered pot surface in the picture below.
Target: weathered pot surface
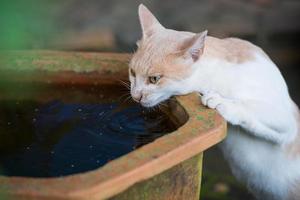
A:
(203, 129)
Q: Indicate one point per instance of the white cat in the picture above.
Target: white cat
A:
(240, 81)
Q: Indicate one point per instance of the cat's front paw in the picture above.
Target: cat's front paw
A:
(226, 107)
(211, 99)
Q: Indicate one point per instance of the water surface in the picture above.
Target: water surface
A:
(61, 130)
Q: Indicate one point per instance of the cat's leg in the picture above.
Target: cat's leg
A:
(272, 123)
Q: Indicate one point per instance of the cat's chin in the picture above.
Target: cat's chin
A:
(149, 105)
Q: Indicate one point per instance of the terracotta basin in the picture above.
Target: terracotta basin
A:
(168, 168)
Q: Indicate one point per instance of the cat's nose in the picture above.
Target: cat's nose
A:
(137, 97)
(136, 94)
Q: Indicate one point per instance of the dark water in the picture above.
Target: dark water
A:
(59, 131)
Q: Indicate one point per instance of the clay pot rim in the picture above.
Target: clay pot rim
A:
(203, 129)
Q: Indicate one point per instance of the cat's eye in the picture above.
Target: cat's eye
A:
(132, 72)
(154, 79)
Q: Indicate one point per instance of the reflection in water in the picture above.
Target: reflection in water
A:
(57, 138)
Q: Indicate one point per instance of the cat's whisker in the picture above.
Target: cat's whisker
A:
(159, 107)
(127, 99)
(126, 88)
(149, 109)
(124, 83)
(126, 95)
(163, 104)
(127, 85)
(154, 108)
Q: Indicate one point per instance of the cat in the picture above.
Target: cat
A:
(240, 81)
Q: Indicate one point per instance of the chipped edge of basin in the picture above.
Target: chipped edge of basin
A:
(203, 129)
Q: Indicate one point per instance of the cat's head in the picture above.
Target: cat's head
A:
(163, 61)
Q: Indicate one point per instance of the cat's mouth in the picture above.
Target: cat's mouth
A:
(153, 102)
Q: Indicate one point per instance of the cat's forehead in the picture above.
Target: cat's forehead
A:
(159, 54)
(149, 55)
(169, 65)
(154, 53)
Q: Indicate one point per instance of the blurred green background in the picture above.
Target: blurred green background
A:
(102, 25)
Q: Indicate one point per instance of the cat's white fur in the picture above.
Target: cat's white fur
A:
(253, 97)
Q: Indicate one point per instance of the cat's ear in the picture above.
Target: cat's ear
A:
(194, 47)
(148, 22)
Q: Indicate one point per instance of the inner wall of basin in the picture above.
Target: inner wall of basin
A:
(50, 130)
